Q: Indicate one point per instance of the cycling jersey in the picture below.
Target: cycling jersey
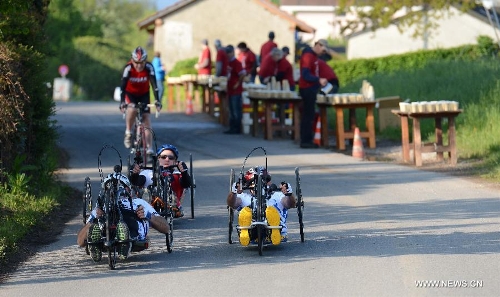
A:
(136, 83)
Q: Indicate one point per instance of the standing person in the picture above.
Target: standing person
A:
(266, 48)
(235, 75)
(204, 64)
(328, 73)
(284, 69)
(309, 84)
(160, 73)
(268, 66)
(221, 60)
(248, 60)
(138, 74)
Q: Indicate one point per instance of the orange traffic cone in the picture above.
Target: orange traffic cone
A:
(189, 106)
(357, 146)
(317, 132)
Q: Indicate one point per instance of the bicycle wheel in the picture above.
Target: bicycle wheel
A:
(261, 230)
(169, 238)
(110, 229)
(230, 210)
(87, 199)
(168, 212)
(300, 203)
(193, 185)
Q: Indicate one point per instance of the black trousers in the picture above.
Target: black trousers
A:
(308, 96)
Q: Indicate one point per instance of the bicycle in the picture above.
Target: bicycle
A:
(259, 228)
(140, 144)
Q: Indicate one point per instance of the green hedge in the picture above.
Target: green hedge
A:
(352, 70)
(184, 67)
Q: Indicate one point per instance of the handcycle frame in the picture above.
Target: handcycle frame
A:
(107, 200)
(259, 203)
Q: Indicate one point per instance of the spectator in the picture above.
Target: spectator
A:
(268, 66)
(309, 84)
(204, 64)
(248, 61)
(285, 69)
(221, 59)
(266, 48)
(235, 75)
(160, 73)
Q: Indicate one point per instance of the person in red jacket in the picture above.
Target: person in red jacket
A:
(235, 75)
(268, 66)
(221, 60)
(204, 64)
(266, 48)
(328, 73)
(284, 69)
(309, 83)
(248, 60)
(137, 76)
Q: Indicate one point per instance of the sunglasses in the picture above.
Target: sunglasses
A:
(170, 157)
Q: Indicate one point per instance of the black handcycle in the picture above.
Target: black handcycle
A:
(259, 229)
(107, 200)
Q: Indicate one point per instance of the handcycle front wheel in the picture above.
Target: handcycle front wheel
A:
(193, 184)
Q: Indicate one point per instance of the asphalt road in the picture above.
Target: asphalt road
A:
(371, 229)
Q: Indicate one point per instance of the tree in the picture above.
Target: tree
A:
(420, 15)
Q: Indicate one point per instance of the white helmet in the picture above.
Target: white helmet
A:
(124, 182)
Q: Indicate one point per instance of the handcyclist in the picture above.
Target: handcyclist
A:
(170, 166)
(138, 74)
(281, 199)
(137, 218)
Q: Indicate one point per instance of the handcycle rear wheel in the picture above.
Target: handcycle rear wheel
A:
(230, 210)
(193, 184)
(87, 204)
(261, 230)
(300, 204)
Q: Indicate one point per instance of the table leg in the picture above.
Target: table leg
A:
(439, 137)
(324, 126)
(451, 141)
(178, 97)
(296, 122)
(417, 142)
(340, 128)
(370, 125)
(405, 138)
(255, 117)
(171, 97)
(268, 134)
(197, 97)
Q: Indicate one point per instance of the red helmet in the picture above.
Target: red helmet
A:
(250, 174)
(139, 55)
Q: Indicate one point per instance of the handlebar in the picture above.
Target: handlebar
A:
(157, 113)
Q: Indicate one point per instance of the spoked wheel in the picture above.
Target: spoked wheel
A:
(261, 230)
(300, 203)
(230, 210)
(87, 199)
(112, 257)
(169, 238)
(193, 184)
(87, 204)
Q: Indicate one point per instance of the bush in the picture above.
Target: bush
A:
(184, 67)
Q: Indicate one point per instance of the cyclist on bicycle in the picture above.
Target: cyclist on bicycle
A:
(280, 200)
(138, 216)
(138, 74)
(169, 165)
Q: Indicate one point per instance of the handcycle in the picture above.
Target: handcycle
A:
(259, 229)
(107, 200)
(163, 199)
(139, 148)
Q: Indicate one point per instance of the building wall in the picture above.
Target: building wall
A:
(457, 30)
(180, 34)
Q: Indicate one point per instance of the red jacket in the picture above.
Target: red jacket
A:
(285, 72)
(207, 69)
(248, 60)
(222, 57)
(234, 71)
(266, 48)
(268, 67)
(309, 69)
(326, 71)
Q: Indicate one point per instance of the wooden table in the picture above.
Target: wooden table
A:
(223, 105)
(269, 127)
(171, 85)
(417, 145)
(207, 97)
(340, 133)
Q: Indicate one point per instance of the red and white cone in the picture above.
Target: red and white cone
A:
(317, 132)
(357, 146)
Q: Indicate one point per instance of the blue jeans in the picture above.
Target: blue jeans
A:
(159, 83)
(235, 112)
